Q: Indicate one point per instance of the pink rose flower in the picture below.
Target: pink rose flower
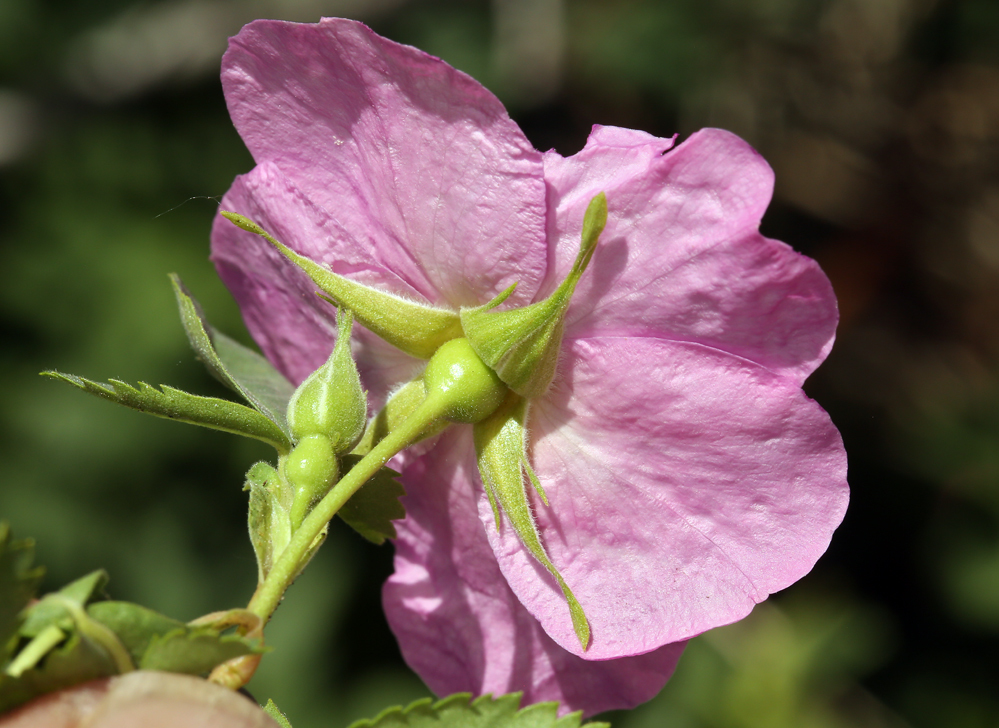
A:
(687, 474)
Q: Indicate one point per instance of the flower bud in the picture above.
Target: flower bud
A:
(522, 344)
(331, 401)
(460, 385)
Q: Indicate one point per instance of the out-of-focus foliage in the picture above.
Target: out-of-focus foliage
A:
(881, 119)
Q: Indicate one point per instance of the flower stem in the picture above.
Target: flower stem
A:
(269, 594)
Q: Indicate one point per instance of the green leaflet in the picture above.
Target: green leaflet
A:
(500, 449)
(18, 583)
(174, 404)
(59, 644)
(135, 625)
(241, 369)
(77, 660)
(459, 711)
(196, 650)
(371, 510)
(67, 638)
(415, 328)
(57, 611)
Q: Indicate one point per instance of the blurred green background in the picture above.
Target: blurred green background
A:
(881, 119)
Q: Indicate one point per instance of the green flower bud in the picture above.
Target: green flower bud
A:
(331, 401)
(522, 344)
(459, 384)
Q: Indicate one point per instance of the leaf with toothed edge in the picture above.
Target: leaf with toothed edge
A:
(371, 510)
(460, 711)
(175, 404)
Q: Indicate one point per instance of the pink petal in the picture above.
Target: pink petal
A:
(400, 156)
(459, 625)
(681, 257)
(685, 486)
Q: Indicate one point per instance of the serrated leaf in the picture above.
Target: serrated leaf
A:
(460, 711)
(18, 582)
(174, 404)
(371, 510)
(241, 369)
(195, 651)
(75, 661)
(269, 517)
(135, 625)
(274, 712)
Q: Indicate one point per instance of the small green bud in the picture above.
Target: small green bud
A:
(460, 385)
(331, 401)
(522, 344)
(311, 468)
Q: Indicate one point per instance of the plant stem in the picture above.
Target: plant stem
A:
(269, 594)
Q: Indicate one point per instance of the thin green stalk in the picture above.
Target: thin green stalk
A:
(269, 594)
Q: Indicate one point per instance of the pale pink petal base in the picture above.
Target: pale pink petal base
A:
(685, 485)
(459, 625)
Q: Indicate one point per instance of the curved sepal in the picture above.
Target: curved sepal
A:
(522, 344)
(415, 328)
(500, 443)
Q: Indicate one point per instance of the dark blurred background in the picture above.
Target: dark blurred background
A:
(881, 119)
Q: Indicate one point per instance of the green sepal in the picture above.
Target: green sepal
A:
(415, 328)
(19, 581)
(175, 404)
(371, 510)
(522, 345)
(275, 713)
(500, 449)
(241, 369)
(196, 650)
(460, 711)
(269, 518)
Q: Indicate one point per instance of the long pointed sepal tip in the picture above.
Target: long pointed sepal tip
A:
(243, 222)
